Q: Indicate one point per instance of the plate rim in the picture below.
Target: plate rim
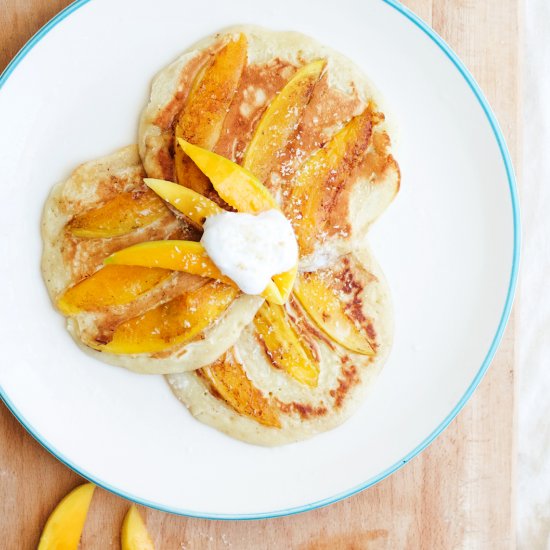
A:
(512, 185)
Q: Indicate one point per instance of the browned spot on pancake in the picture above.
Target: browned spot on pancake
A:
(215, 393)
(335, 204)
(113, 185)
(168, 113)
(306, 329)
(267, 351)
(349, 378)
(257, 88)
(378, 158)
(352, 287)
(305, 411)
(325, 113)
(165, 159)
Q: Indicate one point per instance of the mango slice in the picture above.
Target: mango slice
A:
(134, 535)
(64, 526)
(283, 345)
(122, 214)
(285, 282)
(235, 185)
(323, 175)
(187, 256)
(243, 191)
(112, 285)
(190, 203)
(202, 117)
(280, 119)
(322, 303)
(173, 323)
(228, 377)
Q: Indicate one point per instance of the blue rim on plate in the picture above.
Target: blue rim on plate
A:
(453, 58)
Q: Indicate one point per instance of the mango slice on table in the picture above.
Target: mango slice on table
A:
(322, 303)
(322, 175)
(175, 322)
(187, 256)
(203, 114)
(64, 526)
(228, 377)
(112, 285)
(283, 346)
(134, 535)
(280, 119)
(237, 186)
(193, 205)
(122, 214)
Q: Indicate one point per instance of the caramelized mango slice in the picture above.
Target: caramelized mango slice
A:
(64, 526)
(322, 303)
(187, 256)
(228, 378)
(235, 185)
(172, 323)
(190, 203)
(280, 119)
(283, 346)
(243, 191)
(322, 174)
(134, 535)
(110, 286)
(202, 117)
(123, 214)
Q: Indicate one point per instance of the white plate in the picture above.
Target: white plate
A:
(449, 246)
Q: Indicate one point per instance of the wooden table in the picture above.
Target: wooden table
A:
(459, 493)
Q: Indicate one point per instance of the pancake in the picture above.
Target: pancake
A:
(70, 259)
(285, 410)
(351, 196)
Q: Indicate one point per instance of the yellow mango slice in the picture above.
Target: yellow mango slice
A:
(228, 377)
(322, 303)
(112, 285)
(285, 282)
(243, 191)
(280, 119)
(283, 345)
(123, 214)
(235, 185)
(173, 323)
(134, 535)
(187, 256)
(202, 117)
(322, 174)
(64, 526)
(193, 205)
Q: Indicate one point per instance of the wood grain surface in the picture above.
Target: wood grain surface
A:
(459, 493)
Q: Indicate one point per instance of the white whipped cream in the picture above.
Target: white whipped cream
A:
(250, 249)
